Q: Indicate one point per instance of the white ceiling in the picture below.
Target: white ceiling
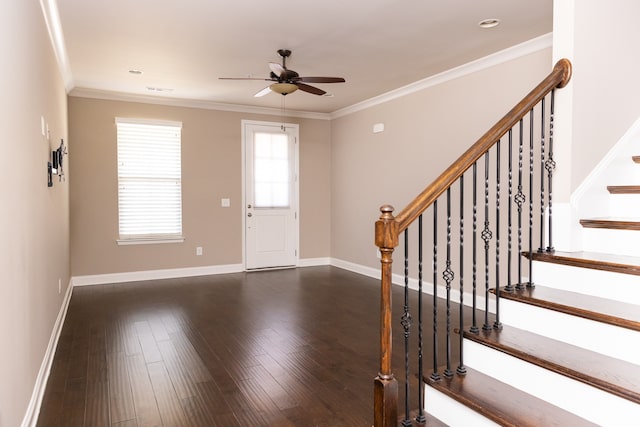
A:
(376, 45)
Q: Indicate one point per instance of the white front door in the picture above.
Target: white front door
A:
(270, 195)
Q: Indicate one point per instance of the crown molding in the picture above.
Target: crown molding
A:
(52, 20)
(514, 52)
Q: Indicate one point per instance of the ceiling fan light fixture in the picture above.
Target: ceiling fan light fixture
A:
(283, 88)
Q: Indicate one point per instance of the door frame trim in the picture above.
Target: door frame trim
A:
(296, 185)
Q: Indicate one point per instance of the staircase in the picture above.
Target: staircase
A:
(544, 337)
(568, 352)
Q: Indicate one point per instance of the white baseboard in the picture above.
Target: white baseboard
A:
(173, 273)
(33, 410)
(314, 262)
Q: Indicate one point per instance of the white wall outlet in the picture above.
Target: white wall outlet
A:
(225, 203)
(43, 126)
(378, 127)
(378, 254)
(59, 286)
(199, 251)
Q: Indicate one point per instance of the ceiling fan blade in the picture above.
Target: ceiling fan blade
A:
(242, 78)
(277, 69)
(309, 89)
(263, 92)
(321, 79)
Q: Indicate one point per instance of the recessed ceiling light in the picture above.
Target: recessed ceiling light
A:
(136, 72)
(489, 23)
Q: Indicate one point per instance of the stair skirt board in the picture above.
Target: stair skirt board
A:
(585, 401)
(613, 341)
(604, 284)
(452, 412)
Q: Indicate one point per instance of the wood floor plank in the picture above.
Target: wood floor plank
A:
(74, 406)
(120, 392)
(144, 400)
(169, 405)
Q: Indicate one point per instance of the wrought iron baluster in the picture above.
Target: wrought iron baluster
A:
(448, 277)
(474, 323)
(435, 376)
(420, 418)
(496, 323)
(520, 199)
(542, 167)
(406, 325)
(530, 281)
(551, 166)
(486, 236)
(461, 370)
(509, 287)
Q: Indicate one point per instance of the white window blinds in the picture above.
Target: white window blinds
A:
(149, 180)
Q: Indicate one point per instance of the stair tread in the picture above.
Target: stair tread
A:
(623, 189)
(603, 310)
(594, 260)
(606, 373)
(503, 403)
(614, 223)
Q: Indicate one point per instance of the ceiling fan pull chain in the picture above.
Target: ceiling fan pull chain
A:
(282, 127)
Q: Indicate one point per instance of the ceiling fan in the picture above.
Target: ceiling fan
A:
(286, 81)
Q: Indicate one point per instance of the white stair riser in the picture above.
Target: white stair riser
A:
(613, 341)
(619, 242)
(622, 205)
(451, 412)
(604, 284)
(585, 401)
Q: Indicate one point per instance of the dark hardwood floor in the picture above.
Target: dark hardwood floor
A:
(284, 348)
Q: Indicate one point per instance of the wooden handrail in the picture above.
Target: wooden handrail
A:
(559, 78)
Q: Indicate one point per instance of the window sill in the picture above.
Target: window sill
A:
(149, 240)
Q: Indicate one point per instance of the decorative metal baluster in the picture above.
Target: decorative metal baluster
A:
(448, 277)
(421, 418)
(496, 323)
(551, 166)
(435, 376)
(520, 199)
(486, 236)
(509, 287)
(530, 282)
(461, 370)
(474, 324)
(542, 167)
(406, 325)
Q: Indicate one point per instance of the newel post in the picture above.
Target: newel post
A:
(385, 386)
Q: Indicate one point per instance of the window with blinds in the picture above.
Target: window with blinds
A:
(149, 181)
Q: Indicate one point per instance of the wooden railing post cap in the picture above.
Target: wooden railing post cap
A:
(386, 212)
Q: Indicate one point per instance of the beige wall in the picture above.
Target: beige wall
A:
(605, 82)
(211, 170)
(424, 133)
(34, 223)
